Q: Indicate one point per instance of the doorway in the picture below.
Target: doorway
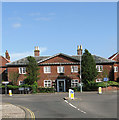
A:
(61, 85)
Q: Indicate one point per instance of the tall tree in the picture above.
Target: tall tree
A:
(89, 71)
(32, 71)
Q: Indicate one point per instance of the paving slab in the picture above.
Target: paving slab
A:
(11, 111)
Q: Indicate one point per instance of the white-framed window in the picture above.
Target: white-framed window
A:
(47, 83)
(21, 82)
(60, 69)
(115, 69)
(22, 70)
(74, 69)
(47, 69)
(74, 82)
(99, 80)
(99, 68)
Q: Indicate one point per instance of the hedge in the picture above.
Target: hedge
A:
(46, 90)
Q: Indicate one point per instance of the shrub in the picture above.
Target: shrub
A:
(12, 87)
(113, 83)
(46, 90)
(25, 85)
(34, 89)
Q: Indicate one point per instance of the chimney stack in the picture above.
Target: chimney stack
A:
(36, 51)
(79, 50)
(7, 55)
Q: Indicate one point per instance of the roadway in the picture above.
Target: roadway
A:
(54, 106)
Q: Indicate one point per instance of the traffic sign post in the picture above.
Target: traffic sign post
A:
(105, 80)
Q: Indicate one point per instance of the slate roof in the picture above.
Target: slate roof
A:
(24, 61)
(39, 59)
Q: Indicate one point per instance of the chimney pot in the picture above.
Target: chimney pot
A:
(7, 55)
(36, 51)
(79, 50)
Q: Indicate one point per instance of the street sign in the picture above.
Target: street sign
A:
(27, 89)
(21, 88)
(5, 82)
(105, 79)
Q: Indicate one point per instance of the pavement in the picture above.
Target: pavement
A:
(13, 111)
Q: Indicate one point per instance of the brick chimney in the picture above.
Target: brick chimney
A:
(7, 55)
(79, 50)
(36, 51)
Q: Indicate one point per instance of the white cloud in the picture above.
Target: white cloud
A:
(16, 25)
(17, 56)
(42, 19)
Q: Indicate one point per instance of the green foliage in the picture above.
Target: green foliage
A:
(88, 68)
(32, 71)
(102, 84)
(34, 87)
(12, 87)
(24, 85)
(14, 77)
(94, 86)
(113, 83)
(46, 90)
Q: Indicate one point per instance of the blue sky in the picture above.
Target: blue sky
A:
(59, 27)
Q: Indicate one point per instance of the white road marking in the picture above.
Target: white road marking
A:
(75, 107)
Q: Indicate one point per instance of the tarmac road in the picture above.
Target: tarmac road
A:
(53, 105)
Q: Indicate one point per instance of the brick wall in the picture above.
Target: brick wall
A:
(107, 70)
(15, 70)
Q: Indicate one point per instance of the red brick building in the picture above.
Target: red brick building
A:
(60, 70)
(115, 57)
(3, 67)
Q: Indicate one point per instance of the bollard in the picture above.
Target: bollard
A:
(10, 92)
(100, 90)
(72, 94)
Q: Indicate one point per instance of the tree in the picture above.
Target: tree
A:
(32, 71)
(14, 77)
(88, 68)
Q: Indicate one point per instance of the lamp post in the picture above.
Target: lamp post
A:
(6, 82)
(80, 73)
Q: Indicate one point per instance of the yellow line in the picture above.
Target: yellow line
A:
(32, 114)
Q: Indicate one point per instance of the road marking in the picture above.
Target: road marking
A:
(75, 107)
(32, 114)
